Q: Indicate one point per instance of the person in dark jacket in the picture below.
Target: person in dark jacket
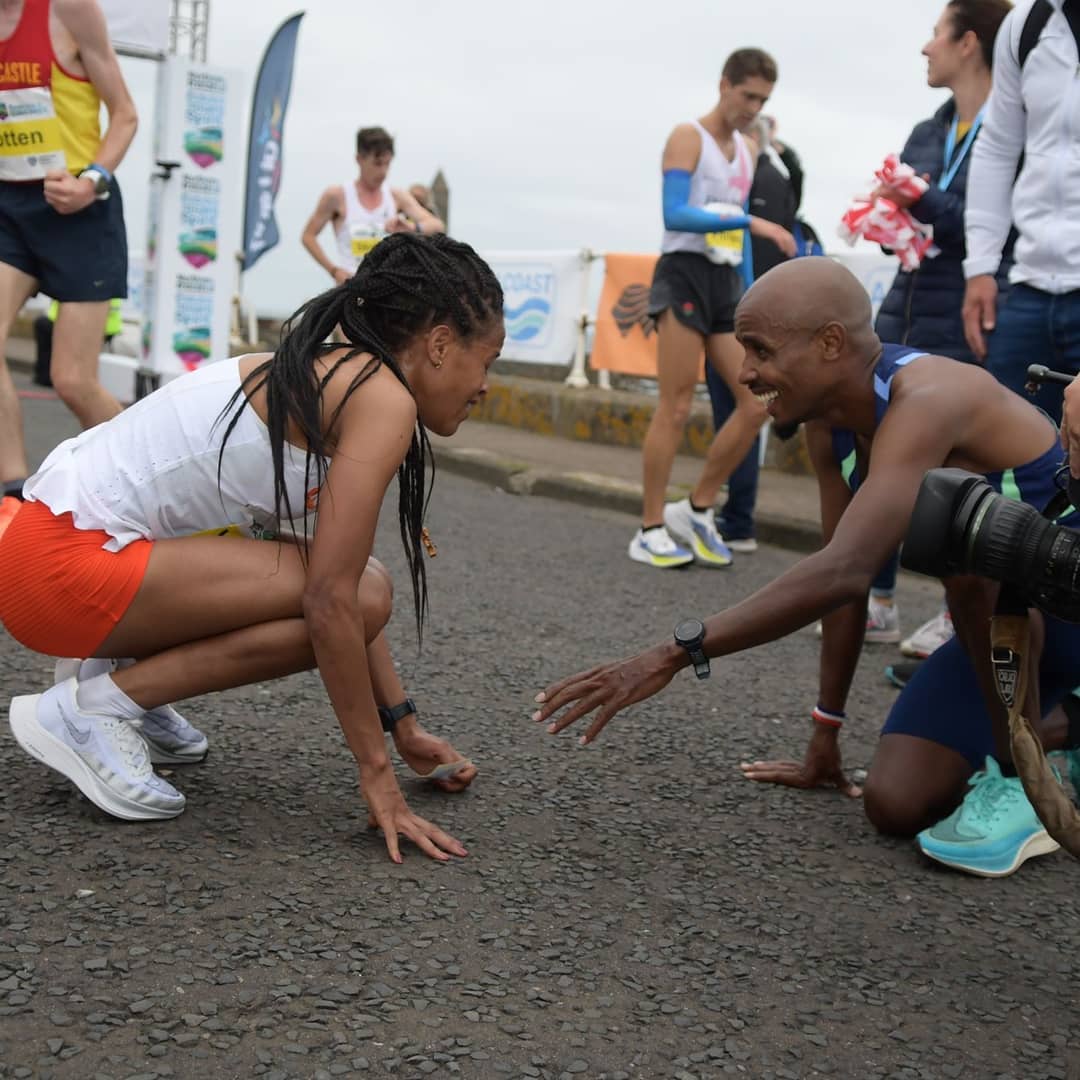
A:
(923, 308)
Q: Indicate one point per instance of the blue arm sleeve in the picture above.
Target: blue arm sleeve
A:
(680, 217)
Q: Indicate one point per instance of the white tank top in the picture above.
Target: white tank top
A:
(152, 471)
(361, 229)
(716, 180)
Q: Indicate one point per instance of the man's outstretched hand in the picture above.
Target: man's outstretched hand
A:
(820, 768)
(608, 689)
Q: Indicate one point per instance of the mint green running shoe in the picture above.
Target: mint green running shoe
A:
(992, 831)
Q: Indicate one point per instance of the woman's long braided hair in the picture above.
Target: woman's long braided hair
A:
(404, 286)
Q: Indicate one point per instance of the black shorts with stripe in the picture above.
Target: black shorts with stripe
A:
(701, 294)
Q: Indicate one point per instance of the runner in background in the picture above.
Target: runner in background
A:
(708, 169)
(61, 214)
(365, 210)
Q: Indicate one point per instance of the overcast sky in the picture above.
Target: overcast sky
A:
(548, 120)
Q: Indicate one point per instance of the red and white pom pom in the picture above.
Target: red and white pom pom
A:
(880, 221)
(901, 178)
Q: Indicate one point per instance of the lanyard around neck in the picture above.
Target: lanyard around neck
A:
(954, 161)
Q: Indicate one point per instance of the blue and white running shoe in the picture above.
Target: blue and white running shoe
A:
(656, 548)
(698, 532)
(992, 831)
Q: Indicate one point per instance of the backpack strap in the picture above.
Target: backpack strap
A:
(1036, 19)
(1071, 10)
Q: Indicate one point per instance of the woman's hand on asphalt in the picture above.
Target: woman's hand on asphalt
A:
(424, 752)
(821, 768)
(389, 811)
(608, 688)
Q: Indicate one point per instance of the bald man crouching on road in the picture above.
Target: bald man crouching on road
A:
(878, 417)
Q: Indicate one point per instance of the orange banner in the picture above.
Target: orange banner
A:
(625, 336)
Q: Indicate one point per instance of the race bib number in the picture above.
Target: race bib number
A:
(225, 530)
(30, 140)
(725, 247)
(361, 243)
(254, 531)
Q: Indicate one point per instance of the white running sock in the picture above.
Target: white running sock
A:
(101, 695)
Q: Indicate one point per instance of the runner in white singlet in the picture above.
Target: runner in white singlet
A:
(704, 266)
(174, 550)
(365, 210)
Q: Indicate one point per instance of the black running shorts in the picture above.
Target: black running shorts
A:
(700, 293)
(74, 257)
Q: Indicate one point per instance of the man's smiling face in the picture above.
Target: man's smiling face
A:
(779, 365)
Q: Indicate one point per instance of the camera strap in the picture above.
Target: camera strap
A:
(1010, 639)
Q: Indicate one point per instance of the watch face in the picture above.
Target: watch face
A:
(689, 630)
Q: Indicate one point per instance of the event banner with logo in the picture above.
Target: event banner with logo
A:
(542, 299)
(625, 335)
(265, 145)
(193, 233)
(139, 26)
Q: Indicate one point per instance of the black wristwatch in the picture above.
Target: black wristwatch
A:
(390, 717)
(690, 634)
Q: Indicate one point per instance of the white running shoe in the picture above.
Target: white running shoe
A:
(697, 530)
(102, 756)
(656, 548)
(929, 637)
(882, 623)
(171, 739)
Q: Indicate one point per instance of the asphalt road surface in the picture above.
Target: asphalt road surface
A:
(632, 909)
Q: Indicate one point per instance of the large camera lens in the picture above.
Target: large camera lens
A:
(948, 503)
(1004, 539)
(961, 525)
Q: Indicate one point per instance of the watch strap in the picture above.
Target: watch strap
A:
(700, 662)
(391, 715)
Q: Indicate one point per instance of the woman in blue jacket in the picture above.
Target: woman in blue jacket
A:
(923, 307)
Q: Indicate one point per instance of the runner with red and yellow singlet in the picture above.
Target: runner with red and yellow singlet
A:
(61, 215)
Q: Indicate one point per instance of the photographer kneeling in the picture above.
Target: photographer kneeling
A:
(878, 418)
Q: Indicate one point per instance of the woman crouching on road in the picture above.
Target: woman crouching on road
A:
(102, 560)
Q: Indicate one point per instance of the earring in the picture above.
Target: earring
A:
(438, 363)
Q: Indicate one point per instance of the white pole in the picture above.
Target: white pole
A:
(577, 379)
